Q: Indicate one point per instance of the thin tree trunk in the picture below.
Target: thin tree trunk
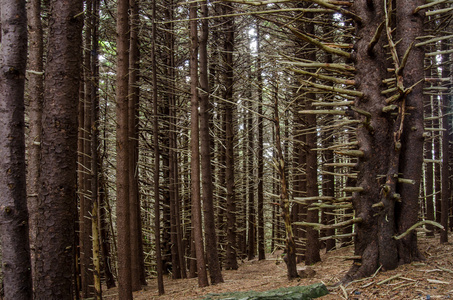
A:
(251, 251)
(429, 178)
(36, 93)
(122, 152)
(104, 235)
(446, 188)
(16, 266)
(95, 221)
(260, 152)
(85, 234)
(290, 245)
(157, 230)
(206, 166)
(54, 278)
(231, 246)
(328, 183)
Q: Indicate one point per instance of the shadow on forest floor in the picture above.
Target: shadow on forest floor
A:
(430, 279)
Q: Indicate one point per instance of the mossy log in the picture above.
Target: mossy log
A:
(289, 293)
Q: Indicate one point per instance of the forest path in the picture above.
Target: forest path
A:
(430, 279)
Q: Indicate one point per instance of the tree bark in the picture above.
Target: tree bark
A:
(231, 255)
(85, 226)
(157, 229)
(95, 212)
(122, 152)
(385, 138)
(206, 165)
(54, 278)
(260, 152)
(429, 177)
(290, 245)
(446, 188)
(195, 151)
(251, 242)
(409, 27)
(35, 99)
(16, 265)
(137, 259)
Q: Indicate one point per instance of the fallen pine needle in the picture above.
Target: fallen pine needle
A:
(445, 269)
(389, 279)
(437, 281)
(344, 292)
(408, 279)
(367, 284)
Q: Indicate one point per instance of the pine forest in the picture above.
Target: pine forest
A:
(145, 142)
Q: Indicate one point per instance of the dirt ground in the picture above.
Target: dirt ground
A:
(430, 279)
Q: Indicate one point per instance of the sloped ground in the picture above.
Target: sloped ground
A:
(430, 279)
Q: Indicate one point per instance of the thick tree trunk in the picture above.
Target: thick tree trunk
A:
(409, 27)
(54, 278)
(312, 243)
(195, 151)
(137, 259)
(16, 265)
(312, 247)
(122, 152)
(384, 138)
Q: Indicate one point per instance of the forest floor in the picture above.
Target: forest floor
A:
(428, 279)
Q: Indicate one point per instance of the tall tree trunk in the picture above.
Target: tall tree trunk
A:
(260, 152)
(231, 246)
(409, 27)
(383, 137)
(95, 220)
(436, 136)
(122, 153)
(157, 229)
(251, 242)
(446, 188)
(195, 151)
(54, 278)
(312, 244)
(14, 215)
(206, 166)
(137, 259)
(35, 98)
(85, 234)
